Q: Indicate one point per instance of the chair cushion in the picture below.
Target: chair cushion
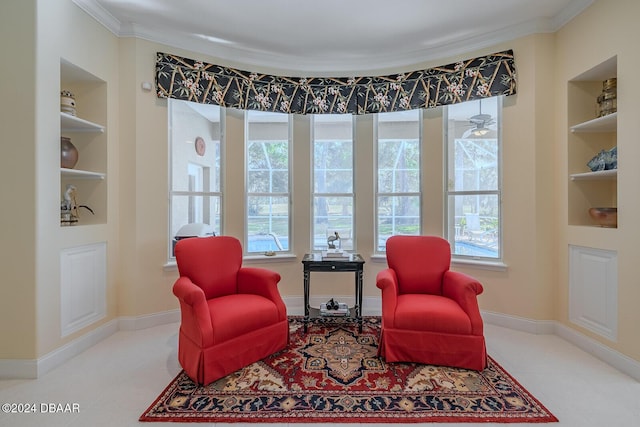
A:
(433, 313)
(238, 314)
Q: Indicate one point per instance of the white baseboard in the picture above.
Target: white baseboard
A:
(34, 368)
(133, 323)
(608, 355)
(519, 323)
(371, 306)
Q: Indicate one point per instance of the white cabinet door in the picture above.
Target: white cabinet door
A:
(593, 290)
(83, 278)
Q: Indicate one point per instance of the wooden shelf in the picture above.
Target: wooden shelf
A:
(608, 123)
(70, 123)
(606, 174)
(81, 174)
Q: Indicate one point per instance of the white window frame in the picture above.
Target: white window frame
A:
(449, 229)
(352, 195)
(192, 193)
(378, 194)
(288, 194)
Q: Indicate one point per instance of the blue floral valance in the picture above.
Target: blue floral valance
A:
(197, 81)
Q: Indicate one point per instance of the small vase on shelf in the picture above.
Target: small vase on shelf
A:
(68, 153)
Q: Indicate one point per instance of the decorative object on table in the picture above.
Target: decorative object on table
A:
(605, 217)
(332, 304)
(604, 160)
(201, 146)
(331, 240)
(607, 100)
(67, 102)
(68, 153)
(334, 308)
(332, 375)
(69, 214)
(335, 255)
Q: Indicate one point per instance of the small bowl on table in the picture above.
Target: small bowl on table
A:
(605, 217)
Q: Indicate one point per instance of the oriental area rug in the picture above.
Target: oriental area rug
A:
(332, 374)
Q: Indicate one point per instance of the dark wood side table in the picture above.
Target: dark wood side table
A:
(314, 262)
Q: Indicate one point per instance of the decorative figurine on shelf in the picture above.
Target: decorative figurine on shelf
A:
(69, 214)
(331, 240)
(67, 102)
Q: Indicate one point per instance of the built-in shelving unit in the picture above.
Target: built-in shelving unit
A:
(588, 135)
(87, 132)
(83, 246)
(592, 249)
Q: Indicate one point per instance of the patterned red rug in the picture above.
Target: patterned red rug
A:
(332, 374)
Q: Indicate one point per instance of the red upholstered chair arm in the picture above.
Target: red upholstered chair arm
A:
(196, 320)
(387, 282)
(464, 289)
(263, 282)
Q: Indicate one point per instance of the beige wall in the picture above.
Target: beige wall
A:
(18, 180)
(534, 285)
(606, 29)
(36, 35)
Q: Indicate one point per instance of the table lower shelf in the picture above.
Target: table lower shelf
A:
(315, 313)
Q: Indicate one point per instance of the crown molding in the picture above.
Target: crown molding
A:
(330, 66)
(100, 14)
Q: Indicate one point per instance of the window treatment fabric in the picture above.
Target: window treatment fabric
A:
(192, 80)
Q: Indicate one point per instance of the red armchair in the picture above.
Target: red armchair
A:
(430, 314)
(231, 315)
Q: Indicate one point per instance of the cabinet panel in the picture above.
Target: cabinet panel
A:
(593, 290)
(83, 281)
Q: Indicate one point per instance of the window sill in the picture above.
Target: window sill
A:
(479, 264)
(247, 259)
(378, 258)
(458, 262)
(259, 258)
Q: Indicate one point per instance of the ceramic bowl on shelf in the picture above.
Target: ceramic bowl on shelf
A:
(605, 217)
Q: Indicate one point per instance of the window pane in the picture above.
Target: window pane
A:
(333, 167)
(268, 223)
(333, 199)
(268, 167)
(187, 210)
(397, 215)
(475, 220)
(187, 125)
(398, 185)
(473, 178)
(331, 215)
(267, 173)
(398, 166)
(473, 165)
(195, 170)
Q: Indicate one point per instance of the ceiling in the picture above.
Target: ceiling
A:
(326, 37)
